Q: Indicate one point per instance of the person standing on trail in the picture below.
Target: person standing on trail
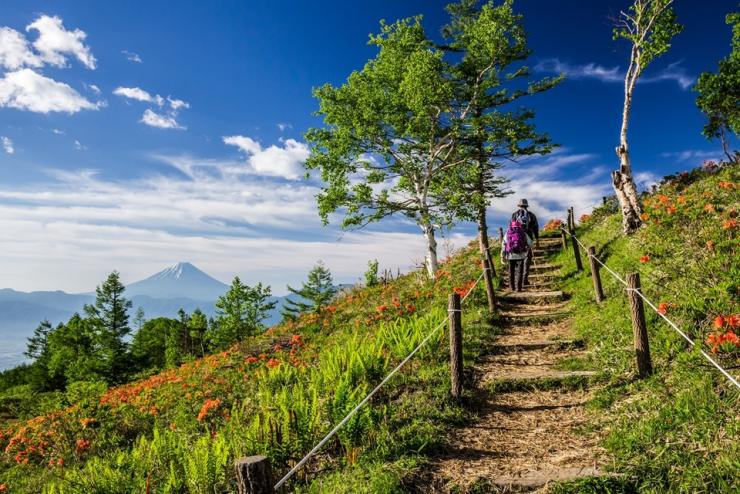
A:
(514, 249)
(528, 221)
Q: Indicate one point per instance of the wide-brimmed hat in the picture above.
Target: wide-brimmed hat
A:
(523, 203)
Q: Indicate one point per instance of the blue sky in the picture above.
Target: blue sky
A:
(147, 133)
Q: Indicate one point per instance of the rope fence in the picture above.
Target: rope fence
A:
(367, 398)
(638, 291)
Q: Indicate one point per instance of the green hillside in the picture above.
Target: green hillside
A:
(279, 393)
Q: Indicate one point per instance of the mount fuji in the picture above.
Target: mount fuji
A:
(182, 286)
(183, 280)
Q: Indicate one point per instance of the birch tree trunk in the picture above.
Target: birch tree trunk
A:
(431, 257)
(624, 184)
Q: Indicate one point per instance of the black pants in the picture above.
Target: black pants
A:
(516, 274)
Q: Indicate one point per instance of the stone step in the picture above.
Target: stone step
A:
(534, 480)
(533, 296)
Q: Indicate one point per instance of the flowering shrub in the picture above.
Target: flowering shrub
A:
(553, 225)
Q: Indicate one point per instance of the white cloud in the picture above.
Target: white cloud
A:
(673, 72)
(131, 56)
(692, 155)
(92, 87)
(286, 161)
(25, 89)
(549, 185)
(154, 119)
(7, 144)
(79, 146)
(15, 51)
(78, 227)
(58, 132)
(55, 42)
(177, 104)
(166, 120)
(283, 126)
(138, 94)
(590, 70)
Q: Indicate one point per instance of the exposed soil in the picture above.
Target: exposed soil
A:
(532, 426)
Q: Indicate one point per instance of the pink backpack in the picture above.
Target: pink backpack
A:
(516, 239)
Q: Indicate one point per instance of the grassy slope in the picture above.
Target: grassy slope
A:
(679, 430)
(180, 430)
(278, 394)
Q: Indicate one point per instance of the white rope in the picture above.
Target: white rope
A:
(595, 258)
(670, 323)
(369, 395)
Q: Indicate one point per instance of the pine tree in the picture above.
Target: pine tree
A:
(313, 294)
(109, 318)
(139, 318)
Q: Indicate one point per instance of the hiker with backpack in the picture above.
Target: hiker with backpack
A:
(528, 222)
(515, 249)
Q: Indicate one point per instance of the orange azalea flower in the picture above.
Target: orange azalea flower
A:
(644, 216)
(719, 322)
(208, 405)
(331, 308)
(645, 258)
(252, 359)
(729, 224)
(671, 209)
(3, 487)
(663, 199)
(662, 308)
(726, 185)
(709, 208)
(710, 244)
(733, 321)
(382, 308)
(681, 200)
(273, 363)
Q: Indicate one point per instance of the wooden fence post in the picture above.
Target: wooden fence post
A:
(254, 475)
(500, 235)
(456, 357)
(564, 239)
(576, 250)
(598, 289)
(639, 328)
(488, 275)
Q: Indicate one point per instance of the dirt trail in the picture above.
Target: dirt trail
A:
(531, 426)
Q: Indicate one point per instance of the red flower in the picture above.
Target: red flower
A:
(252, 359)
(645, 258)
(382, 308)
(719, 322)
(273, 363)
(729, 224)
(662, 308)
(733, 321)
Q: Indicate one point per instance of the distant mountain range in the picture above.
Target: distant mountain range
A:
(160, 295)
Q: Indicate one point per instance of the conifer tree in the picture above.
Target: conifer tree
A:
(109, 318)
(313, 295)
